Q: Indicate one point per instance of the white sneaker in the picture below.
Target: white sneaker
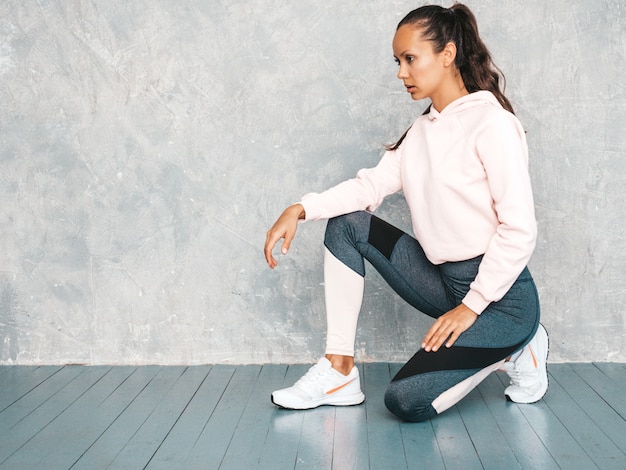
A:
(528, 373)
(321, 385)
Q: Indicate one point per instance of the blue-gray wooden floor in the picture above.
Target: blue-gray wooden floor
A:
(210, 417)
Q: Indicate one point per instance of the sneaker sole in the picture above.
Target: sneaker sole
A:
(349, 400)
(542, 392)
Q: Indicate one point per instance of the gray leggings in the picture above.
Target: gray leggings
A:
(501, 330)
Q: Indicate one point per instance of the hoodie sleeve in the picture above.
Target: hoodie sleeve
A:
(502, 149)
(366, 191)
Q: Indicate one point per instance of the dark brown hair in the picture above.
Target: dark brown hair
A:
(457, 24)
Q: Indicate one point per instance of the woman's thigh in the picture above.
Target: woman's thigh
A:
(397, 256)
(428, 377)
(433, 289)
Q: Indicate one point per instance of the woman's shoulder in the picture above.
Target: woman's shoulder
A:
(488, 113)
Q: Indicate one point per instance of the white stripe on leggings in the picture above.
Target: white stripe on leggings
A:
(344, 295)
(453, 395)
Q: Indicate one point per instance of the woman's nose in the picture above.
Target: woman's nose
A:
(401, 72)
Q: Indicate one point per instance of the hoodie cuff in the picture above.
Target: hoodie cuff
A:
(309, 209)
(476, 302)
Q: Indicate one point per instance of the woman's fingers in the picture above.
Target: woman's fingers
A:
(269, 246)
(273, 236)
(448, 327)
(285, 227)
(436, 336)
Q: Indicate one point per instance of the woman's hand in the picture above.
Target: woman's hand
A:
(449, 326)
(285, 227)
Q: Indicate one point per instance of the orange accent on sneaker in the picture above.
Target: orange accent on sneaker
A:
(336, 389)
(533, 355)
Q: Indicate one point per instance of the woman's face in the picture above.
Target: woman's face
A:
(421, 69)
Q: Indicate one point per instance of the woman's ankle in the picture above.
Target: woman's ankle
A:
(342, 364)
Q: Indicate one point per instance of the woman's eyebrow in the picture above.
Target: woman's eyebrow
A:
(402, 54)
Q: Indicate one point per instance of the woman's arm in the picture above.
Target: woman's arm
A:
(366, 191)
(502, 148)
(285, 227)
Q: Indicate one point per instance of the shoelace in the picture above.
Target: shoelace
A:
(520, 376)
(515, 375)
(313, 373)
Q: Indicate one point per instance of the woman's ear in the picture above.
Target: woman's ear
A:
(449, 54)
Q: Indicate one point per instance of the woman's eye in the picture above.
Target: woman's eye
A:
(407, 58)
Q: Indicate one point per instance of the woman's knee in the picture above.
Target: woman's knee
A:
(406, 402)
(348, 225)
(345, 236)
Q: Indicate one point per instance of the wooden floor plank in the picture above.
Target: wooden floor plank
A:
(616, 372)
(13, 438)
(146, 441)
(610, 391)
(18, 381)
(562, 446)
(4, 369)
(602, 451)
(595, 407)
(246, 446)
(108, 411)
(211, 446)
(75, 430)
(32, 439)
(153, 383)
(36, 397)
(351, 445)
(179, 442)
(566, 452)
(315, 450)
(421, 449)
(280, 448)
(383, 429)
(394, 368)
(457, 449)
(527, 446)
(490, 443)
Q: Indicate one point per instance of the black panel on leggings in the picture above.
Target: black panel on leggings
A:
(454, 358)
(383, 236)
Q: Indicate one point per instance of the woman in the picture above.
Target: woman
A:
(463, 168)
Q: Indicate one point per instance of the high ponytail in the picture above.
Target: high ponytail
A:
(458, 25)
(474, 60)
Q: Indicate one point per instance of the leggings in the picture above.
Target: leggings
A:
(430, 382)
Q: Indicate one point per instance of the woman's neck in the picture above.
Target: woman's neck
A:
(449, 91)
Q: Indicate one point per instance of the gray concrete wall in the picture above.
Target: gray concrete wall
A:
(146, 147)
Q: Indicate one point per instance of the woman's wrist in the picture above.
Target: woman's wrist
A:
(298, 209)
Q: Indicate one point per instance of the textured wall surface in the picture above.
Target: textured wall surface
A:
(146, 146)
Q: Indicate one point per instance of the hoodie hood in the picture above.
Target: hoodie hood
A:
(468, 101)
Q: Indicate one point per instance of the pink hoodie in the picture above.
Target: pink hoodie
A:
(464, 173)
